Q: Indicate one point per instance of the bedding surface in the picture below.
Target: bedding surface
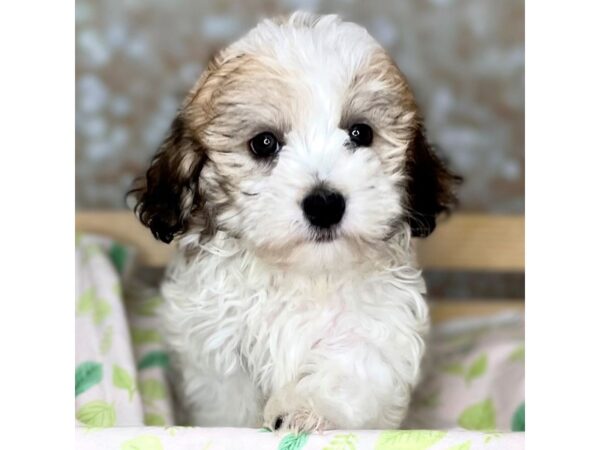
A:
(471, 397)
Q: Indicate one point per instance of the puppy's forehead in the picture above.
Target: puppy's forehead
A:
(304, 68)
(324, 46)
(319, 50)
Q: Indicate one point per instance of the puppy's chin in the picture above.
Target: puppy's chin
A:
(323, 252)
(310, 256)
(324, 236)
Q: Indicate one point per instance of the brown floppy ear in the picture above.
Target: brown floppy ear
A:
(431, 186)
(168, 194)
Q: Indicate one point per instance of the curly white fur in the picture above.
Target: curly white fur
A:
(345, 347)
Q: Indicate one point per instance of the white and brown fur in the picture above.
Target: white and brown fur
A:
(266, 323)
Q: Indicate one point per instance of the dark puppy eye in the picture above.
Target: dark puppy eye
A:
(361, 135)
(264, 144)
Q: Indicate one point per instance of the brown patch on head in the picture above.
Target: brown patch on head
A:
(237, 97)
(241, 99)
(430, 186)
(167, 196)
(380, 96)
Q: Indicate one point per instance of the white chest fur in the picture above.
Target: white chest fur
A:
(232, 320)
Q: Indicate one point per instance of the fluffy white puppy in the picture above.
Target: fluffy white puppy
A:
(294, 175)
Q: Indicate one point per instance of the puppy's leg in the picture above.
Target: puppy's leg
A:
(289, 409)
(212, 399)
(353, 389)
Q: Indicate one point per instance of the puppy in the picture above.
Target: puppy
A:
(293, 178)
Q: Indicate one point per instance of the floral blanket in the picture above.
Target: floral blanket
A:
(472, 397)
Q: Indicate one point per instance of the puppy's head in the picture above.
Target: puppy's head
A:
(303, 141)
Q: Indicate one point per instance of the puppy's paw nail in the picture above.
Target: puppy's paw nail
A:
(277, 423)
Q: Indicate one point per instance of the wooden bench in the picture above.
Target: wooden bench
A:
(465, 242)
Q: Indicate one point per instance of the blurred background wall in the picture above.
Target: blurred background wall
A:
(464, 58)
(135, 59)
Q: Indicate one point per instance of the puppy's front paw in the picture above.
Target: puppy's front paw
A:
(285, 411)
(301, 421)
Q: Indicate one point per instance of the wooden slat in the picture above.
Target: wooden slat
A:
(453, 309)
(476, 242)
(465, 242)
(124, 227)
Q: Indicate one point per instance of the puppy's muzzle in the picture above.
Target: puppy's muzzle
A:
(324, 207)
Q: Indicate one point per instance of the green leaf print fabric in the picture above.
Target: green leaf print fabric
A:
(194, 438)
(143, 443)
(293, 441)
(409, 440)
(477, 378)
(122, 379)
(96, 413)
(154, 359)
(105, 376)
(470, 400)
(518, 419)
(87, 374)
(480, 416)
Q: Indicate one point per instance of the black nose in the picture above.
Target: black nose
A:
(324, 207)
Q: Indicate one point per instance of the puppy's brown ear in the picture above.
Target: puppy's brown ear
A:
(431, 186)
(168, 194)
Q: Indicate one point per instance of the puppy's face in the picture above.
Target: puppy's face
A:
(304, 142)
